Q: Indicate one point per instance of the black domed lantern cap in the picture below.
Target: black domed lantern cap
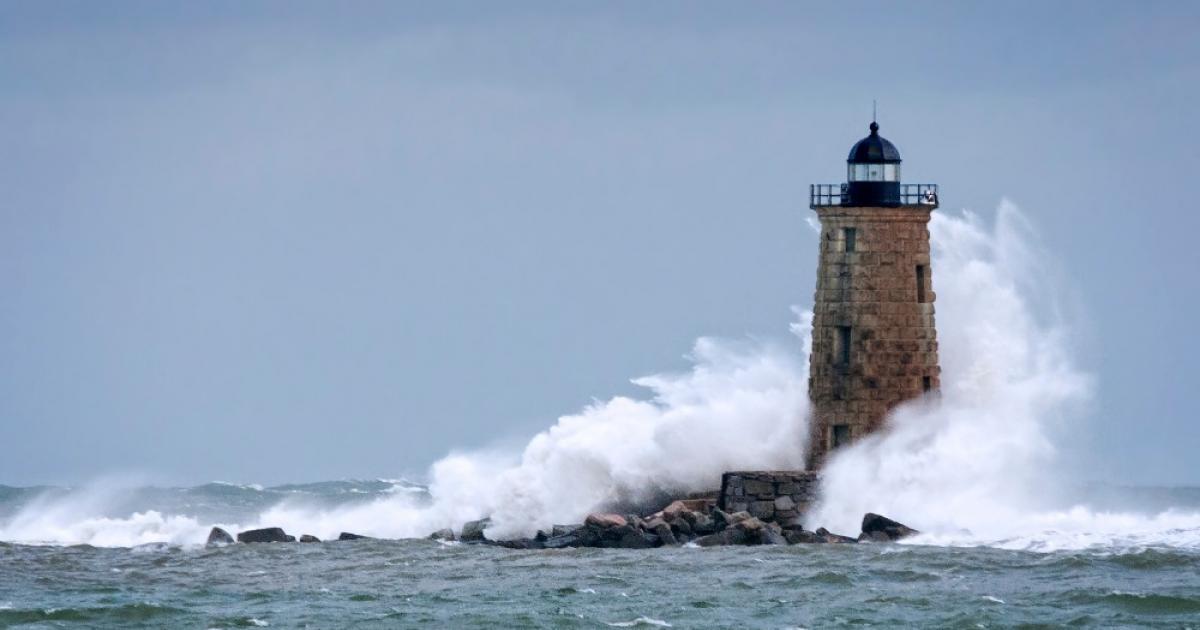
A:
(874, 149)
(873, 172)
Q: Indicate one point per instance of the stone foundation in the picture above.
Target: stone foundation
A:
(774, 496)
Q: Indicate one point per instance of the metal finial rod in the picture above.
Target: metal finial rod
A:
(873, 110)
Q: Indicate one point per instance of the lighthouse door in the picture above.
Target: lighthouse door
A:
(840, 435)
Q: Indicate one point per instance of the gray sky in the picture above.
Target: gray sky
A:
(287, 241)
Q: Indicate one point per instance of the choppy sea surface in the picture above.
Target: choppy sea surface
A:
(58, 582)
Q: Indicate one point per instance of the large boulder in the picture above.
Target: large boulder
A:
(745, 530)
(772, 534)
(562, 530)
(703, 524)
(570, 536)
(446, 534)
(309, 538)
(623, 537)
(727, 536)
(827, 536)
(799, 536)
(721, 519)
(518, 543)
(265, 535)
(218, 537)
(883, 529)
(350, 536)
(615, 531)
(600, 520)
(756, 532)
(664, 533)
(472, 531)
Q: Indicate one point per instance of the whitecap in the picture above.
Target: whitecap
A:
(640, 621)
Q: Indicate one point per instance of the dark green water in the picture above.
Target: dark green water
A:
(409, 584)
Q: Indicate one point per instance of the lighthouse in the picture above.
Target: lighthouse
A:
(874, 344)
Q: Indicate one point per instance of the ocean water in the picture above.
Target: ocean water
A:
(147, 568)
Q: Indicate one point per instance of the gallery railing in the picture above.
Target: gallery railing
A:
(823, 195)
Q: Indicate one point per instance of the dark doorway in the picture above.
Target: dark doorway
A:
(840, 435)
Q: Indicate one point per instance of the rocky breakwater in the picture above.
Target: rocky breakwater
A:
(218, 537)
(681, 523)
(697, 522)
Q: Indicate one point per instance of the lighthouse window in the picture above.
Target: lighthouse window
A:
(850, 235)
(891, 172)
(840, 436)
(844, 345)
(875, 173)
(921, 284)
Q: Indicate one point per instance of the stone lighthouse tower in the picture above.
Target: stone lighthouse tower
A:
(874, 344)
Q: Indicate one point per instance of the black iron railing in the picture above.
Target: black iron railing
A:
(838, 195)
(919, 194)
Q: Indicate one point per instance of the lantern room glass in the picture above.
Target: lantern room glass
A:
(873, 172)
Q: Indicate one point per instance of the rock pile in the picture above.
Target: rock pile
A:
(682, 522)
(218, 537)
(678, 524)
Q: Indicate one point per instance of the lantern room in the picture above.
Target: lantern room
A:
(873, 179)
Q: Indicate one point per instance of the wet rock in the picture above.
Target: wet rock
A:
(663, 531)
(472, 531)
(265, 535)
(721, 519)
(605, 521)
(883, 529)
(309, 538)
(520, 543)
(446, 534)
(727, 536)
(652, 523)
(633, 538)
(350, 536)
(799, 536)
(792, 523)
(704, 524)
(218, 537)
(563, 530)
(681, 527)
(623, 537)
(771, 536)
(576, 536)
(827, 536)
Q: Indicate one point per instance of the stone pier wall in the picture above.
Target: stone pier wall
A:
(776, 495)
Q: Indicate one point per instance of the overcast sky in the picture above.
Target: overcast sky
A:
(271, 242)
